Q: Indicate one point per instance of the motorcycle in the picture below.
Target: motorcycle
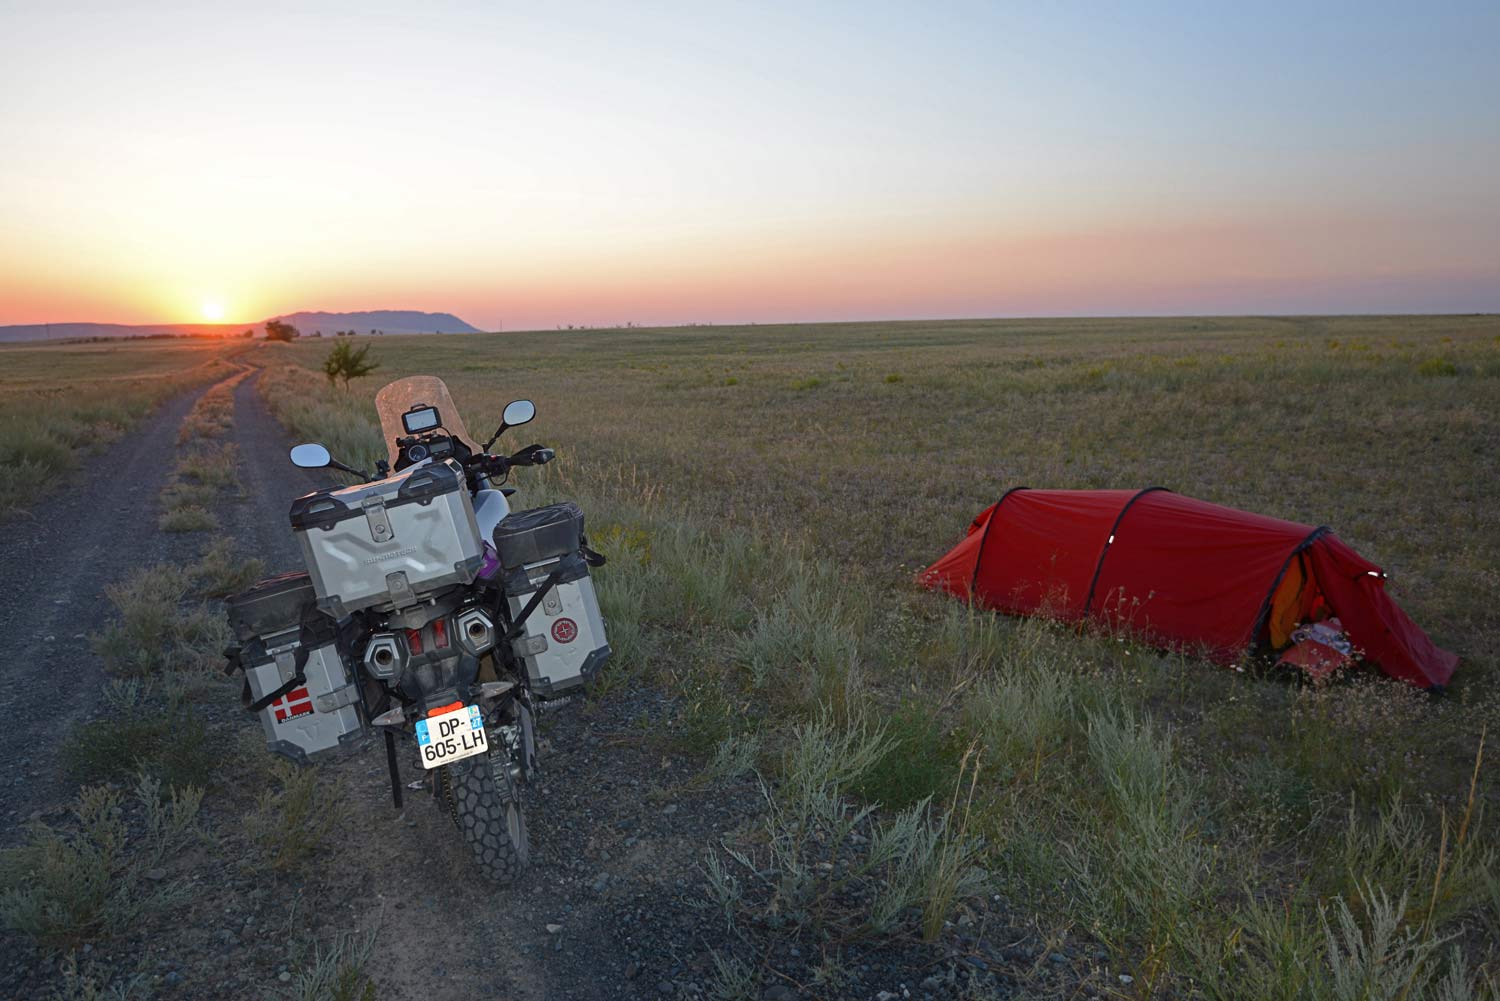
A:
(430, 613)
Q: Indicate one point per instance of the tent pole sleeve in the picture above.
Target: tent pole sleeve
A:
(979, 556)
(1265, 606)
(1088, 602)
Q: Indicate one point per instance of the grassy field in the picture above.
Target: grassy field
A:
(766, 495)
(768, 492)
(58, 403)
(875, 444)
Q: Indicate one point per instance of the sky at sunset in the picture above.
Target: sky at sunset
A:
(528, 165)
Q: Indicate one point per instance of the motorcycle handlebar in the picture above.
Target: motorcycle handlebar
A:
(500, 465)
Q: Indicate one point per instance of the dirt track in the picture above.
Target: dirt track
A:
(614, 905)
(56, 565)
(615, 842)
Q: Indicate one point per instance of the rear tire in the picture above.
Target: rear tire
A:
(487, 811)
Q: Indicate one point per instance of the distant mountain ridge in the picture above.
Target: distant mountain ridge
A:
(387, 321)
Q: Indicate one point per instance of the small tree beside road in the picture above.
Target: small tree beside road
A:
(346, 362)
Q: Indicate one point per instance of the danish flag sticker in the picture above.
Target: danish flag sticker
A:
(293, 704)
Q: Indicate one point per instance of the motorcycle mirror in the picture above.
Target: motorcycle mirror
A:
(518, 412)
(311, 456)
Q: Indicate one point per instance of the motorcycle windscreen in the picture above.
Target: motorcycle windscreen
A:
(418, 390)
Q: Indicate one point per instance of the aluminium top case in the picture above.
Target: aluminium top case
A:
(389, 544)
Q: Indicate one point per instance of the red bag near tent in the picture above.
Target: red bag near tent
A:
(1318, 649)
(1181, 573)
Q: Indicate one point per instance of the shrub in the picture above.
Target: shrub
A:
(93, 984)
(22, 482)
(920, 763)
(220, 573)
(1396, 854)
(213, 413)
(178, 494)
(291, 822)
(1141, 860)
(1022, 716)
(63, 886)
(733, 756)
(154, 632)
(144, 729)
(344, 423)
(833, 868)
(337, 973)
(187, 519)
(1385, 958)
(1439, 367)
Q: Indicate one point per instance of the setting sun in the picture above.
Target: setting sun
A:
(213, 311)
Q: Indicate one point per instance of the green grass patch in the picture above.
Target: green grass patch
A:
(919, 763)
(144, 729)
(1440, 367)
(102, 873)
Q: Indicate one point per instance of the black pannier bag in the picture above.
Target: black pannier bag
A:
(558, 631)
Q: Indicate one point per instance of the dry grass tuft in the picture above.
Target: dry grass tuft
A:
(295, 817)
(159, 628)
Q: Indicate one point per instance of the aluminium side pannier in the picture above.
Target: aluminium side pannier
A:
(295, 679)
(389, 544)
(544, 560)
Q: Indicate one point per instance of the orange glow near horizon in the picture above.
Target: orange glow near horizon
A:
(919, 271)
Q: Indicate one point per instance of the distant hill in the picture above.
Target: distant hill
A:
(387, 321)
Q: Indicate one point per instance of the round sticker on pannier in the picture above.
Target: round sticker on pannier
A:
(565, 630)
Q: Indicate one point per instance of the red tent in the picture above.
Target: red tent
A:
(1181, 573)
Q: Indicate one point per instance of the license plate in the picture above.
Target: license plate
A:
(451, 736)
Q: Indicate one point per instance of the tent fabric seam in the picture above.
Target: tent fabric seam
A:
(979, 553)
(1109, 540)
